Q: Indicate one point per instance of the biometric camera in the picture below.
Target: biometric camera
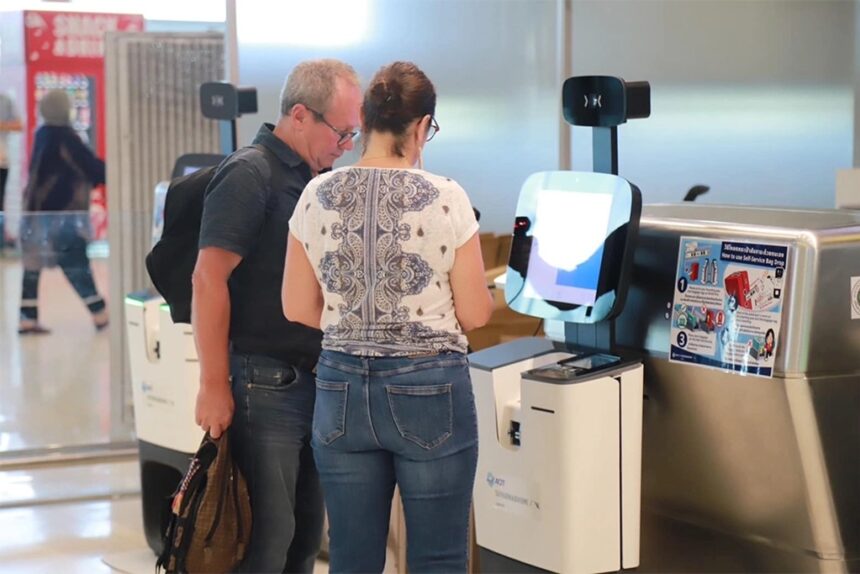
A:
(224, 101)
(604, 101)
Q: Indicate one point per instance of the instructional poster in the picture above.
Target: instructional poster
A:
(727, 308)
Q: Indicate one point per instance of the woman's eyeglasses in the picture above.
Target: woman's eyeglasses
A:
(432, 129)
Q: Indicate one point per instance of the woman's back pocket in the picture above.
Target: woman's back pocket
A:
(423, 414)
(330, 411)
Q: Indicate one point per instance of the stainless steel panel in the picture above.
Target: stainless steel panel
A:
(721, 452)
(670, 545)
(768, 467)
(772, 462)
(836, 402)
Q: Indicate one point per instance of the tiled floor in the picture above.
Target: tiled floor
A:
(82, 482)
(71, 537)
(98, 529)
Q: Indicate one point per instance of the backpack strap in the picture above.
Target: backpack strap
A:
(271, 160)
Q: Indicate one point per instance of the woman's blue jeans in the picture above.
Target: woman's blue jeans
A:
(406, 421)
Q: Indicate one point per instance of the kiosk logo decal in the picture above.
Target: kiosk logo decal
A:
(493, 480)
(514, 495)
(855, 297)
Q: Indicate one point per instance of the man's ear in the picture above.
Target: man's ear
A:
(299, 113)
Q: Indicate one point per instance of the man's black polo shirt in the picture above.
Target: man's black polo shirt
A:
(247, 211)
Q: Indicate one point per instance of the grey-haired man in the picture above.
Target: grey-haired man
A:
(256, 366)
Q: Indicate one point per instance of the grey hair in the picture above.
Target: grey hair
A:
(313, 84)
(55, 107)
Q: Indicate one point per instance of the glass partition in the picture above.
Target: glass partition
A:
(54, 341)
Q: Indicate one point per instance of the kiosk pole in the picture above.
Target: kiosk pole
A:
(227, 136)
(604, 149)
(600, 335)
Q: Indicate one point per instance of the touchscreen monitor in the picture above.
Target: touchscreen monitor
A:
(191, 162)
(567, 271)
(572, 246)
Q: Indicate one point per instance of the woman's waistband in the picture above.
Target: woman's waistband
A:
(391, 364)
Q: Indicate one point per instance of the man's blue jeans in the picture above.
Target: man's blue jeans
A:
(270, 435)
(409, 421)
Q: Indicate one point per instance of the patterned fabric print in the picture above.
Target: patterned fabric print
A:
(341, 270)
(370, 270)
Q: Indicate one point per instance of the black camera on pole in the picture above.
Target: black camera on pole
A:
(604, 103)
(225, 102)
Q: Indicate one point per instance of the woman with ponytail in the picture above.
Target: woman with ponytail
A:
(384, 257)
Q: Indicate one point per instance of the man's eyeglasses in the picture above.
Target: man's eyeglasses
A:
(343, 135)
(432, 129)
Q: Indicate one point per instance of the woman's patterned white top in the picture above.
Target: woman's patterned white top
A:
(382, 243)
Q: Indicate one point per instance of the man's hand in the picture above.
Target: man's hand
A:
(214, 410)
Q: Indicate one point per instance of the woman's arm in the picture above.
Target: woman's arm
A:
(473, 303)
(301, 295)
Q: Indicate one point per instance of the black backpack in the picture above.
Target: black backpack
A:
(172, 259)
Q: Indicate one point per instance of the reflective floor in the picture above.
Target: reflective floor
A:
(71, 537)
(55, 392)
(55, 388)
(78, 537)
(77, 519)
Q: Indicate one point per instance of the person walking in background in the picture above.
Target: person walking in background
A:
(55, 227)
(256, 366)
(386, 259)
(9, 122)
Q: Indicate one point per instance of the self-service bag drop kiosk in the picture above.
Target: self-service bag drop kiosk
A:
(560, 422)
(751, 459)
(560, 425)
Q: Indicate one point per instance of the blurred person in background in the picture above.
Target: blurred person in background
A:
(55, 227)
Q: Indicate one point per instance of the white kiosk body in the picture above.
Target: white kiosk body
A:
(165, 375)
(566, 498)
